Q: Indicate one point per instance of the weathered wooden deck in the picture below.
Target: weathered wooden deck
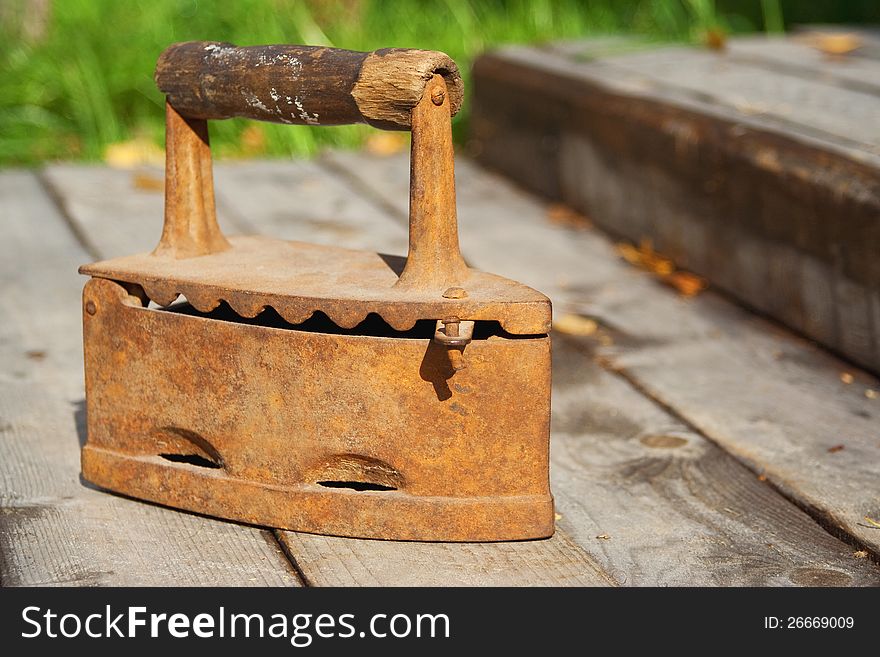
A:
(755, 166)
(692, 443)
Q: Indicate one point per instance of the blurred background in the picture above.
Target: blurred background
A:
(76, 75)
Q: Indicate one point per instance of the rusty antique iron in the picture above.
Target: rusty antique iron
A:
(309, 387)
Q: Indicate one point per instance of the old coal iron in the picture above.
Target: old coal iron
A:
(309, 387)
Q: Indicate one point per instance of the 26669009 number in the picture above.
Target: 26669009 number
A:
(809, 622)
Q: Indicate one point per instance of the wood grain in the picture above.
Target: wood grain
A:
(799, 55)
(94, 195)
(53, 529)
(331, 561)
(771, 400)
(287, 199)
(752, 168)
(664, 506)
(306, 85)
(386, 93)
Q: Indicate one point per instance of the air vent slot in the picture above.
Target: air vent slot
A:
(359, 486)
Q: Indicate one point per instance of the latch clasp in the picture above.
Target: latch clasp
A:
(454, 334)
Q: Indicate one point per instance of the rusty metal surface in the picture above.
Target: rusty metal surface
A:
(297, 279)
(418, 408)
(250, 419)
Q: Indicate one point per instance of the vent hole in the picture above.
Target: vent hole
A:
(355, 485)
(191, 459)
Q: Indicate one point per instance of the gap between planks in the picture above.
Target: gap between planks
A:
(821, 517)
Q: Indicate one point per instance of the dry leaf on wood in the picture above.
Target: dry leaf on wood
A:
(564, 215)
(715, 38)
(386, 143)
(134, 152)
(147, 182)
(645, 257)
(837, 44)
(686, 283)
(575, 325)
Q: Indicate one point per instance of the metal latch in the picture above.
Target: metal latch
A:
(455, 335)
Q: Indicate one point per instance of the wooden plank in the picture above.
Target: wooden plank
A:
(598, 47)
(117, 208)
(777, 405)
(297, 200)
(303, 201)
(703, 358)
(799, 56)
(806, 103)
(875, 320)
(612, 471)
(121, 210)
(772, 400)
(53, 528)
(332, 561)
(664, 506)
(758, 205)
(858, 333)
(755, 106)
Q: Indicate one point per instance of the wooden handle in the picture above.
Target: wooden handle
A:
(308, 85)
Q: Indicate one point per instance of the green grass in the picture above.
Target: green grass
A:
(87, 82)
